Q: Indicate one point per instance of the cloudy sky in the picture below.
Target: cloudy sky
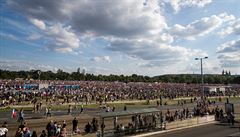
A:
(147, 37)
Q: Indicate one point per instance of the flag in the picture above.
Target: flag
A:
(14, 113)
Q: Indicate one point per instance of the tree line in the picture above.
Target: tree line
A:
(171, 78)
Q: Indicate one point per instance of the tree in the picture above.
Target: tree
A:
(226, 73)
(176, 78)
(78, 70)
(223, 72)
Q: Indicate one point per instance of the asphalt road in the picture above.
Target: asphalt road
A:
(6, 115)
(211, 130)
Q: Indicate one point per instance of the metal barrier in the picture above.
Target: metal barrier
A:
(190, 122)
(162, 126)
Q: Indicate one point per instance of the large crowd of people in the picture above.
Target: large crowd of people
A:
(14, 92)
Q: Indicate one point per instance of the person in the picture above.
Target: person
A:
(40, 105)
(125, 108)
(75, 123)
(37, 107)
(22, 125)
(43, 134)
(81, 111)
(34, 134)
(49, 128)
(54, 128)
(3, 132)
(78, 131)
(115, 122)
(232, 118)
(4, 124)
(58, 130)
(63, 132)
(19, 133)
(48, 111)
(26, 132)
(88, 128)
(69, 110)
(113, 109)
(64, 123)
(107, 109)
(94, 125)
(122, 128)
(21, 117)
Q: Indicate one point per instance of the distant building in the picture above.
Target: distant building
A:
(83, 71)
(210, 89)
(43, 85)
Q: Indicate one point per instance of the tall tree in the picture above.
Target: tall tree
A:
(226, 73)
(78, 71)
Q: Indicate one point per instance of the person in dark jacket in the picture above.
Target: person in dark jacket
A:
(34, 134)
(75, 123)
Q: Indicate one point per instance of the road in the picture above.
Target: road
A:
(6, 115)
(211, 130)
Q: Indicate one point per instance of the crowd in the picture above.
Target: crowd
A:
(53, 129)
(15, 92)
(202, 108)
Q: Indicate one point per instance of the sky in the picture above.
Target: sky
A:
(144, 37)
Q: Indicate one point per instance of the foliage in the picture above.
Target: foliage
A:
(173, 78)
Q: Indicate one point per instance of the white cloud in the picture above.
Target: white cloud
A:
(38, 23)
(232, 28)
(14, 38)
(228, 54)
(230, 60)
(34, 36)
(200, 27)
(17, 65)
(60, 38)
(228, 47)
(155, 54)
(64, 39)
(101, 58)
(177, 5)
(77, 52)
(165, 38)
(132, 28)
(119, 18)
(7, 36)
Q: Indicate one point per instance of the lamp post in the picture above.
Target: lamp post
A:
(202, 82)
(39, 74)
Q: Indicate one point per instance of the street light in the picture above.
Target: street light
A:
(39, 74)
(201, 73)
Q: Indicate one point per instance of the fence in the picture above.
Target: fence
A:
(190, 122)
